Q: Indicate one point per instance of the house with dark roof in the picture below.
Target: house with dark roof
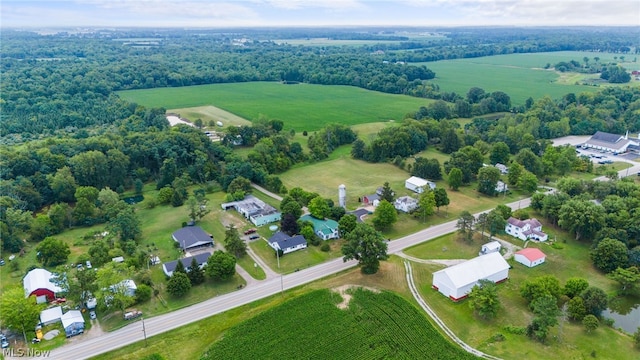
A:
(371, 200)
(326, 229)
(254, 210)
(609, 142)
(39, 283)
(192, 237)
(530, 229)
(201, 259)
(286, 243)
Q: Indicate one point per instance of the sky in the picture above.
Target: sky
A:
(268, 13)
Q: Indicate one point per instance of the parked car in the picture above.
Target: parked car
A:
(4, 343)
(92, 315)
(253, 237)
(250, 231)
(2, 262)
(88, 264)
(132, 314)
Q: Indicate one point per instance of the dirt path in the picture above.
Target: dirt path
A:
(267, 270)
(445, 262)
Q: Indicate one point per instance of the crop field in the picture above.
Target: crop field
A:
(300, 107)
(518, 75)
(373, 326)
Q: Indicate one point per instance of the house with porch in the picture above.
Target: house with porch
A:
(286, 243)
(326, 229)
(405, 204)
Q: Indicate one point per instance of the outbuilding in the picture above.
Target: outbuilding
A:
(456, 282)
(51, 315)
(73, 323)
(419, 185)
(192, 237)
(490, 247)
(530, 257)
(38, 283)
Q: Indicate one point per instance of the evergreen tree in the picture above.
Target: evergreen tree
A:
(195, 274)
(233, 243)
(179, 267)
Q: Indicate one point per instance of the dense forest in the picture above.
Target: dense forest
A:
(67, 137)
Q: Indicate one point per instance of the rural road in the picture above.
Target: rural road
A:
(156, 325)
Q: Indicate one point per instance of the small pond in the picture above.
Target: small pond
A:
(625, 314)
(133, 199)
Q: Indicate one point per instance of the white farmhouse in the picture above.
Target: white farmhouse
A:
(405, 204)
(419, 185)
(456, 282)
(530, 229)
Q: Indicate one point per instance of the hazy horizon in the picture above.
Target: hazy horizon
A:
(316, 13)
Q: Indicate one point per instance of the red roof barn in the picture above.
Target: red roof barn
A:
(530, 257)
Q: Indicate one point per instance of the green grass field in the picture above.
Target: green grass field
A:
(374, 326)
(518, 75)
(301, 107)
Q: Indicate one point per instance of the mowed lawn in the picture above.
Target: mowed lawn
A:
(519, 75)
(301, 107)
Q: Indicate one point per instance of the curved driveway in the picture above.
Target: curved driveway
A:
(162, 323)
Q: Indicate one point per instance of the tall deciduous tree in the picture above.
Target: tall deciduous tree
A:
(426, 205)
(574, 286)
(441, 197)
(499, 153)
(179, 284)
(233, 243)
(488, 177)
(609, 255)
(112, 290)
(52, 252)
(126, 224)
(318, 208)
(385, 215)
(527, 182)
(366, 245)
(19, 313)
(455, 179)
(515, 170)
(484, 299)
(582, 217)
(627, 278)
(545, 310)
(346, 224)
(221, 266)
(595, 300)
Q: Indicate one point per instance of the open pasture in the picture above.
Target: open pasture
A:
(373, 325)
(210, 113)
(519, 75)
(301, 106)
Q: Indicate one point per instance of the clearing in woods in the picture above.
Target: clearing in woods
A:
(210, 113)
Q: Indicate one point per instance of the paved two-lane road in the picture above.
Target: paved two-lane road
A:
(159, 324)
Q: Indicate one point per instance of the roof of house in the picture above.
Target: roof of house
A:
(407, 199)
(532, 254)
(418, 181)
(39, 279)
(372, 197)
(192, 236)
(534, 223)
(326, 226)
(52, 314)
(475, 269)
(285, 241)
(200, 259)
(71, 317)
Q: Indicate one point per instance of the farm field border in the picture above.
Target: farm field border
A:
(301, 106)
(518, 75)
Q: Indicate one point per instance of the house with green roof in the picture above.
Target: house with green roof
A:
(325, 229)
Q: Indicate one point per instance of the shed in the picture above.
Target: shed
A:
(456, 282)
(490, 247)
(51, 315)
(38, 283)
(73, 323)
(530, 257)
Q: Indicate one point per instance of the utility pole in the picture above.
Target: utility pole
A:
(144, 331)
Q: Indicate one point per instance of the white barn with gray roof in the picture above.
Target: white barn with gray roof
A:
(456, 282)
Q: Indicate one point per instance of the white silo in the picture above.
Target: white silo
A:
(342, 196)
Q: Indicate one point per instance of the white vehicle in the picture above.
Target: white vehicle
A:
(88, 264)
(92, 315)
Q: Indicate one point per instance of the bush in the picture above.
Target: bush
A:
(151, 203)
(497, 337)
(315, 241)
(516, 330)
(143, 293)
(325, 247)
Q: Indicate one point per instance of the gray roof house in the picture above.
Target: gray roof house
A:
(192, 237)
(255, 210)
(286, 243)
(201, 259)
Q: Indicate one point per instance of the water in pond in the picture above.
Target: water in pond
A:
(133, 199)
(625, 314)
